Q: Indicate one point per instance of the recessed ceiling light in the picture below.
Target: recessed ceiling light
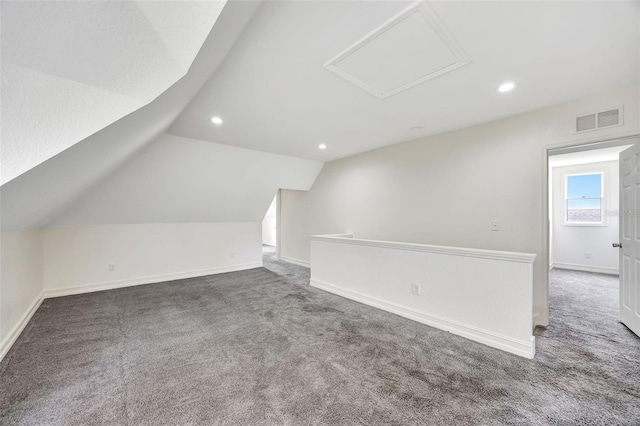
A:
(216, 120)
(416, 128)
(507, 86)
(322, 146)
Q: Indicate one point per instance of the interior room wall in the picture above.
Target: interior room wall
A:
(269, 225)
(178, 180)
(21, 281)
(446, 189)
(572, 243)
(77, 258)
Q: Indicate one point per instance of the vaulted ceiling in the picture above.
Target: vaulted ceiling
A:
(275, 94)
(71, 68)
(109, 103)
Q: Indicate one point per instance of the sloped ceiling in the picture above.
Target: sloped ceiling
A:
(261, 69)
(37, 196)
(176, 179)
(275, 95)
(71, 68)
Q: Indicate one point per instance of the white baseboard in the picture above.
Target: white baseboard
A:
(525, 349)
(109, 285)
(11, 338)
(13, 335)
(586, 268)
(296, 261)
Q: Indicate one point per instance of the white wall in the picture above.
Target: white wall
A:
(570, 243)
(446, 189)
(451, 291)
(21, 281)
(50, 262)
(269, 225)
(77, 258)
(179, 180)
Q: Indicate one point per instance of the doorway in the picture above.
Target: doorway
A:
(584, 225)
(583, 210)
(270, 228)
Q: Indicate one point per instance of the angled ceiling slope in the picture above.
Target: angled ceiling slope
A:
(276, 95)
(39, 195)
(71, 68)
(177, 179)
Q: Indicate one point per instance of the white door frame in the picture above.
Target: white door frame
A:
(278, 227)
(573, 146)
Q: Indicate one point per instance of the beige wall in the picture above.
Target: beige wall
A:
(446, 189)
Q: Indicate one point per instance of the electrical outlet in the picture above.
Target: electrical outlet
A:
(587, 255)
(415, 289)
(112, 267)
(495, 225)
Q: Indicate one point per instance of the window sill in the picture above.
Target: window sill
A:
(584, 224)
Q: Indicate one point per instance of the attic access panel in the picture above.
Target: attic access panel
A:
(409, 49)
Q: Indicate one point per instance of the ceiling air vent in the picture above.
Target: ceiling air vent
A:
(599, 120)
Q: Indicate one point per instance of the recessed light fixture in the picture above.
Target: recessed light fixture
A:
(216, 120)
(322, 146)
(507, 86)
(416, 128)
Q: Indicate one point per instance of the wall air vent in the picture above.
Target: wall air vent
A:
(599, 120)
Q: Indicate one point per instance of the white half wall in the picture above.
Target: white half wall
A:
(483, 295)
(21, 282)
(77, 258)
(587, 248)
(269, 225)
(447, 189)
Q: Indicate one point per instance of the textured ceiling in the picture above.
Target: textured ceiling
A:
(39, 195)
(176, 179)
(71, 68)
(261, 69)
(275, 95)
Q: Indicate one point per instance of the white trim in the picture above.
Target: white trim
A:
(589, 142)
(453, 251)
(13, 335)
(296, 261)
(438, 27)
(603, 202)
(67, 291)
(525, 349)
(586, 268)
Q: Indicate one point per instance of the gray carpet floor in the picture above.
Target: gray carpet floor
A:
(260, 347)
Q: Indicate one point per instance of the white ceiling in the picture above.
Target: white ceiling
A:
(587, 156)
(39, 195)
(275, 95)
(71, 68)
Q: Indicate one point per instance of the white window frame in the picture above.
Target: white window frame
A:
(603, 216)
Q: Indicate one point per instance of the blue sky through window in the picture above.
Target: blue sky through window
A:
(584, 191)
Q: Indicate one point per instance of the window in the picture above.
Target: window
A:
(583, 199)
